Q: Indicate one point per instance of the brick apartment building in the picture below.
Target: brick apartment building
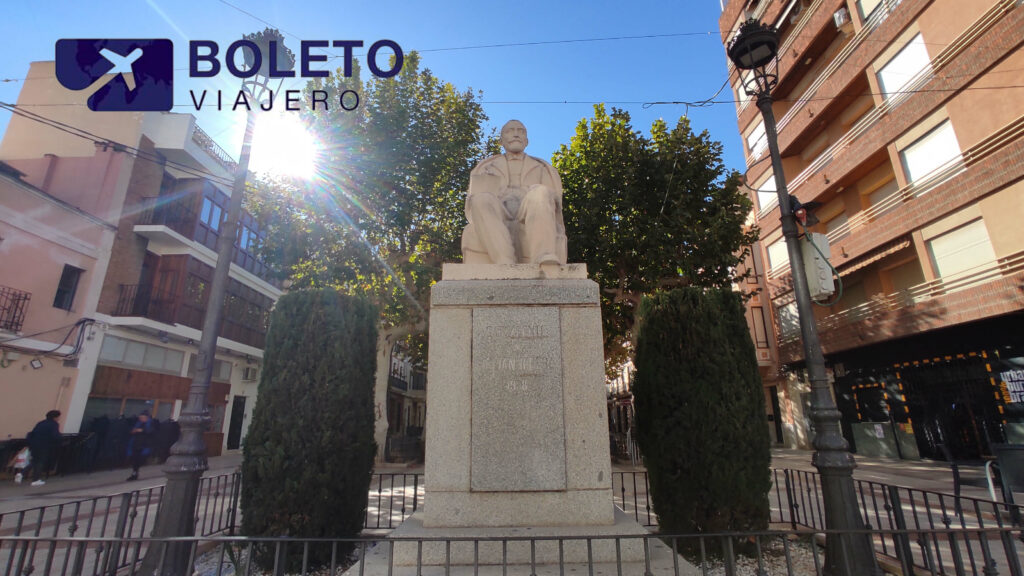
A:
(119, 229)
(904, 119)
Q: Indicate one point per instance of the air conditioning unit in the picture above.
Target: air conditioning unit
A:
(841, 17)
(250, 374)
(842, 20)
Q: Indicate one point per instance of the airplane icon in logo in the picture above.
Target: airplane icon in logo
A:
(123, 65)
(143, 72)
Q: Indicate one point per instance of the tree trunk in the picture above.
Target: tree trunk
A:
(385, 340)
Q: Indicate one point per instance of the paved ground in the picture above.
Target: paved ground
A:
(921, 474)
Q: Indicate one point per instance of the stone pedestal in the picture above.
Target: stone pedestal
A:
(516, 431)
(518, 471)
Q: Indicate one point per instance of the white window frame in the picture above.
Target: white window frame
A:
(757, 141)
(928, 155)
(779, 247)
(903, 69)
(767, 194)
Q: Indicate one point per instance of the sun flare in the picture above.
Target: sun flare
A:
(282, 146)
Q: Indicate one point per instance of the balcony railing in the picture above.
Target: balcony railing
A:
(805, 16)
(13, 304)
(983, 273)
(175, 213)
(873, 22)
(145, 301)
(219, 154)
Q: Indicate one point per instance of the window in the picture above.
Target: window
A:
(882, 194)
(931, 152)
(66, 287)
(767, 194)
(956, 252)
(868, 7)
(757, 141)
(904, 67)
(835, 223)
(212, 214)
(778, 255)
(149, 357)
(760, 330)
(221, 369)
(905, 276)
(789, 321)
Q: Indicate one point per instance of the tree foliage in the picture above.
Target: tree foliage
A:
(700, 413)
(309, 453)
(647, 213)
(386, 208)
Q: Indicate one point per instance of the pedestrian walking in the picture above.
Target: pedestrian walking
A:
(42, 443)
(140, 444)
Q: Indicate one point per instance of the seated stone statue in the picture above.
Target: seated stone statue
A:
(514, 207)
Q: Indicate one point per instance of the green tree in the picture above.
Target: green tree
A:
(309, 453)
(700, 413)
(649, 213)
(387, 207)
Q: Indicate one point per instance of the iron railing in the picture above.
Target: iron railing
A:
(126, 515)
(910, 297)
(208, 144)
(392, 499)
(890, 511)
(146, 301)
(911, 529)
(13, 304)
(791, 552)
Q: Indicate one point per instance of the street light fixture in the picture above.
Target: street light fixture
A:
(849, 552)
(187, 462)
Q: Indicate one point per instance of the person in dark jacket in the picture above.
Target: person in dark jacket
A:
(42, 443)
(140, 446)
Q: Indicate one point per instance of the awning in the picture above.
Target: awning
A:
(873, 256)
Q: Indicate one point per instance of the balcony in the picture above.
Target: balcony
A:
(192, 216)
(181, 140)
(987, 290)
(145, 301)
(13, 304)
(244, 321)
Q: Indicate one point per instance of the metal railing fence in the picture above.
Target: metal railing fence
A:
(918, 529)
(392, 499)
(791, 552)
(126, 515)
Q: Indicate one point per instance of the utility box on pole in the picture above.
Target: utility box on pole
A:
(816, 266)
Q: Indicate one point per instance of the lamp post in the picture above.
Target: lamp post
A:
(756, 48)
(187, 462)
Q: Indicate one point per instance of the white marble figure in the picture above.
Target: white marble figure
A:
(514, 207)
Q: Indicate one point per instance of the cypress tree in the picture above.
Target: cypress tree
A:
(700, 413)
(309, 453)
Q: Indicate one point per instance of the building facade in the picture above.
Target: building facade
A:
(904, 119)
(155, 187)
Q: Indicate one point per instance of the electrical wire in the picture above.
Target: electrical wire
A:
(80, 326)
(130, 150)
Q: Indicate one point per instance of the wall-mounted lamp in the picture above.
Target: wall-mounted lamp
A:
(163, 337)
(36, 363)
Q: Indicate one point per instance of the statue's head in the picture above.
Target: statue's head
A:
(513, 137)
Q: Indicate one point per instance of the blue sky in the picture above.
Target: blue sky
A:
(679, 58)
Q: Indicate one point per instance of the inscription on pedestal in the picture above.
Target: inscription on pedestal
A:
(518, 431)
